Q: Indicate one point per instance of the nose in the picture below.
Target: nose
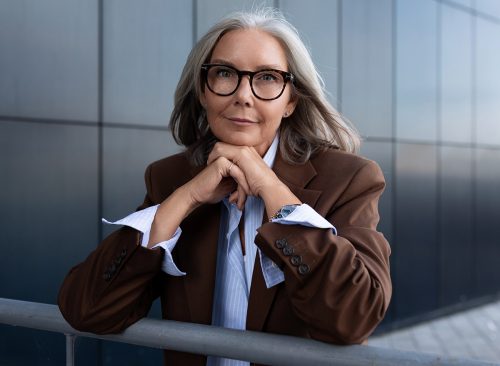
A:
(244, 94)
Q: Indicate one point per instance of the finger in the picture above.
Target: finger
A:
(230, 152)
(240, 178)
(242, 197)
(233, 197)
(217, 152)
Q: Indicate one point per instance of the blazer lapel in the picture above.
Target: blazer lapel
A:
(296, 177)
(197, 256)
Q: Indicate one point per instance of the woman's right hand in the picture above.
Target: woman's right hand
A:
(220, 178)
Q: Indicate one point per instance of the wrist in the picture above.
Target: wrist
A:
(283, 212)
(185, 199)
(278, 197)
(179, 204)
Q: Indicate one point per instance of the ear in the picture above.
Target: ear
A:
(290, 107)
(203, 99)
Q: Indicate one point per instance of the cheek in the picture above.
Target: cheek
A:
(215, 106)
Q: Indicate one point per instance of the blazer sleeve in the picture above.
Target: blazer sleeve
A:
(116, 285)
(339, 285)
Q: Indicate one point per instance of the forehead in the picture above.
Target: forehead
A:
(250, 48)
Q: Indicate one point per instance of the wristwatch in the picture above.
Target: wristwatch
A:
(283, 212)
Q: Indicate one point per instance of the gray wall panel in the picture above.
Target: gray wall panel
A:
(488, 82)
(490, 7)
(49, 201)
(457, 265)
(487, 220)
(416, 259)
(49, 206)
(456, 75)
(145, 48)
(416, 84)
(317, 22)
(126, 154)
(367, 66)
(467, 3)
(381, 152)
(48, 61)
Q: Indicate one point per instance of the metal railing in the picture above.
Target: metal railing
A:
(265, 348)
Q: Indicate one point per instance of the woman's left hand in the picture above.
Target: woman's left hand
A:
(261, 180)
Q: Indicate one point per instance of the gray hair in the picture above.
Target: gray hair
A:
(314, 125)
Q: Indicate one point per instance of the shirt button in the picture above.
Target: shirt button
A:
(281, 243)
(304, 269)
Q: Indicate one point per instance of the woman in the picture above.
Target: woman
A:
(272, 217)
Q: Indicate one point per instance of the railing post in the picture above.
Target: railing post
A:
(70, 349)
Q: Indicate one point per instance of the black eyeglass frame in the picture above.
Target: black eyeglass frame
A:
(287, 77)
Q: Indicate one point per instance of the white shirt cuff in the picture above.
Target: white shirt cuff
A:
(305, 215)
(142, 221)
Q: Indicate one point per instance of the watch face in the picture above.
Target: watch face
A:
(287, 210)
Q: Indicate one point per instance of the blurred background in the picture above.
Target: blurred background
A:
(86, 90)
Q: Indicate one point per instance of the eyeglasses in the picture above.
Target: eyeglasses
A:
(266, 84)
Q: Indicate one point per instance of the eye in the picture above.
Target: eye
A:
(223, 72)
(268, 76)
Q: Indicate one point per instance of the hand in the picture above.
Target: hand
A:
(217, 180)
(261, 180)
(258, 175)
(211, 185)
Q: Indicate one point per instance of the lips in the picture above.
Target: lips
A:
(240, 120)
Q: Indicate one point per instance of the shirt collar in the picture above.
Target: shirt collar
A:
(270, 155)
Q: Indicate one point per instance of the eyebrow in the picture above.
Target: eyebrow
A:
(259, 67)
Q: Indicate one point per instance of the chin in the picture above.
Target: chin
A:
(238, 140)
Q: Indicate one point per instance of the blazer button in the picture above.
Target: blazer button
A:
(106, 276)
(281, 243)
(296, 260)
(123, 254)
(304, 269)
(288, 250)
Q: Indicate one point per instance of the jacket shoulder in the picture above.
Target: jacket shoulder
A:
(169, 162)
(166, 175)
(342, 163)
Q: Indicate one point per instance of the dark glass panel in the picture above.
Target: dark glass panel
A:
(416, 256)
(456, 217)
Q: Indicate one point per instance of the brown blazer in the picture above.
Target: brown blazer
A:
(338, 293)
